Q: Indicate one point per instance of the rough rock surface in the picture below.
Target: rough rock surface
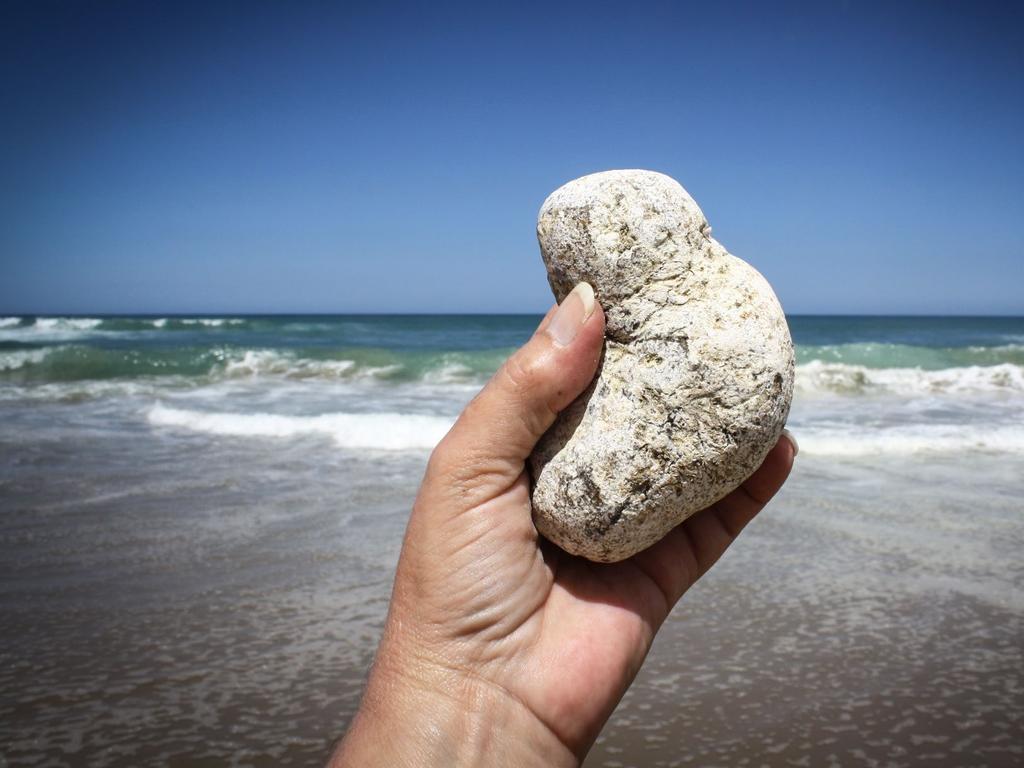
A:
(696, 379)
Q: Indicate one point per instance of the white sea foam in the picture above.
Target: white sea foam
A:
(449, 372)
(212, 322)
(160, 323)
(66, 323)
(255, 362)
(10, 361)
(7, 322)
(50, 329)
(286, 364)
(924, 438)
(817, 377)
(268, 362)
(1009, 348)
(386, 431)
(380, 371)
(114, 391)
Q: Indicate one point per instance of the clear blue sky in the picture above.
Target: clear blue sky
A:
(331, 157)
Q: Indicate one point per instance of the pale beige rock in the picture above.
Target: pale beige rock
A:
(697, 376)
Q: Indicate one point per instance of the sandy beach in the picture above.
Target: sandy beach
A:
(200, 522)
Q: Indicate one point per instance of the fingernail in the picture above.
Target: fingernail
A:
(792, 441)
(572, 314)
(546, 320)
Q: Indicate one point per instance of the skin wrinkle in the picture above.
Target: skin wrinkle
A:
(522, 381)
(511, 696)
(731, 530)
(491, 623)
(692, 546)
(463, 677)
(671, 586)
(752, 497)
(666, 600)
(472, 487)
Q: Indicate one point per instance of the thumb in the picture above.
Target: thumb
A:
(499, 428)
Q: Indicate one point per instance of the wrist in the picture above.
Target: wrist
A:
(420, 715)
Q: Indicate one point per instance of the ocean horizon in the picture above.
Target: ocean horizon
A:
(223, 315)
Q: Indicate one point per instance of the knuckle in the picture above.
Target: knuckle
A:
(528, 377)
(440, 463)
(435, 462)
(521, 372)
(530, 374)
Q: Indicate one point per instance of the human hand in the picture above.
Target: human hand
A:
(500, 648)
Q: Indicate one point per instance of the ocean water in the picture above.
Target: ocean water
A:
(199, 517)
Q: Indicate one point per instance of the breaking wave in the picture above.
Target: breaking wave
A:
(444, 353)
(70, 362)
(819, 377)
(28, 328)
(11, 361)
(921, 438)
(383, 431)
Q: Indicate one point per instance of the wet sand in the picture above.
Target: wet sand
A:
(880, 627)
(225, 613)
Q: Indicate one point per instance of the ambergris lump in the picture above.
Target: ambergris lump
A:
(696, 378)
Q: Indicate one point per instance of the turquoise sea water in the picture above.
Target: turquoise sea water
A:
(411, 347)
(199, 518)
(394, 382)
